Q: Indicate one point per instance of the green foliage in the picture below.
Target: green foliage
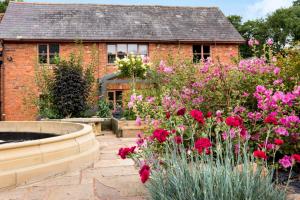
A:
(128, 114)
(4, 4)
(66, 88)
(71, 87)
(204, 177)
(103, 109)
(283, 26)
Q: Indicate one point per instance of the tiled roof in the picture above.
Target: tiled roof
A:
(38, 21)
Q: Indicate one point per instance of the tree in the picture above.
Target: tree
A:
(4, 4)
(283, 26)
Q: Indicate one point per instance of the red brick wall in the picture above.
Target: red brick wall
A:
(19, 90)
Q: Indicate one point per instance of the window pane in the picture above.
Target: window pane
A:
(111, 58)
(110, 96)
(119, 95)
(111, 49)
(119, 104)
(111, 105)
(132, 48)
(42, 49)
(53, 48)
(143, 50)
(206, 49)
(122, 50)
(196, 48)
(43, 58)
(196, 58)
(205, 56)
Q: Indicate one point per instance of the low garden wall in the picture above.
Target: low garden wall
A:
(126, 128)
(75, 146)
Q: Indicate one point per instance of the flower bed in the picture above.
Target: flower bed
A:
(209, 119)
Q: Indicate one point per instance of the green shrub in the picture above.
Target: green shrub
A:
(103, 109)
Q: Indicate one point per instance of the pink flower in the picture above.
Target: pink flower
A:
(296, 91)
(270, 42)
(202, 144)
(133, 97)
(144, 173)
(138, 121)
(139, 98)
(130, 104)
(278, 142)
(290, 121)
(198, 116)
(296, 157)
(277, 82)
(256, 42)
(123, 152)
(234, 121)
(255, 116)
(181, 128)
(286, 161)
(178, 139)
(281, 131)
(276, 71)
(140, 142)
(150, 99)
(271, 118)
(251, 42)
(260, 154)
(161, 135)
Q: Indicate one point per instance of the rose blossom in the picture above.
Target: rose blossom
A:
(198, 116)
(178, 139)
(234, 121)
(278, 142)
(260, 154)
(286, 161)
(181, 111)
(296, 157)
(144, 173)
(161, 135)
(202, 143)
(123, 152)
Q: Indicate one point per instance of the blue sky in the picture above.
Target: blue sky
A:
(248, 9)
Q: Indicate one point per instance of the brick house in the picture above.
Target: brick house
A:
(32, 33)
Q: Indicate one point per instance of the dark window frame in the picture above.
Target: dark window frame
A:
(126, 53)
(48, 54)
(202, 54)
(115, 101)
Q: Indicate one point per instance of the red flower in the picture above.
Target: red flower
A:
(271, 119)
(178, 139)
(202, 143)
(208, 114)
(198, 116)
(234, 121)
(168, 115)
(260, 154)
(181, 111)
(278, 142)
(144, 173)
(160, 134)
(123, 152)
(296, 157)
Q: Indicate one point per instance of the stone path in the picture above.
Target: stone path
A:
(110, 178)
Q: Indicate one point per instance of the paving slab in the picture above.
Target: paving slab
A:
(110, 178)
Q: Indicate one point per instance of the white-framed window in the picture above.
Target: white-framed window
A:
(121, 50)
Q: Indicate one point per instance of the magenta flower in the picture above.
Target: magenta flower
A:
(276, 71)
(290, 121)
(138, 121)
(286, 161)
(277, 82)
(270, 42)
(281, 131)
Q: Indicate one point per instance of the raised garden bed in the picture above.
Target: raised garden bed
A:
(126, 128)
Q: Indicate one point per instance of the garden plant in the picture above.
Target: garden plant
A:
(219, 131)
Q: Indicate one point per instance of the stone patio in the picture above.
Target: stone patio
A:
(109, 178)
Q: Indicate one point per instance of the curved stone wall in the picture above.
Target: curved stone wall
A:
(75, 146)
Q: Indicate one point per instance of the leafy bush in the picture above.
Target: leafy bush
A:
(103, 109)
(71, 87)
